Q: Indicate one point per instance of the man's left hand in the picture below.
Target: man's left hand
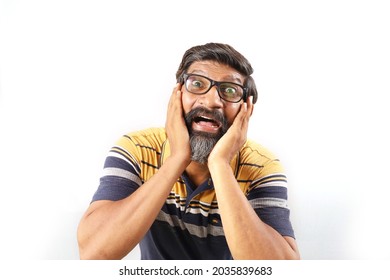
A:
(235, 137)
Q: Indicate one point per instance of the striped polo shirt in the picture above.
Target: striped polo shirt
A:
(188, 225)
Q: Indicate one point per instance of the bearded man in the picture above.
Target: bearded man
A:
(198, 188)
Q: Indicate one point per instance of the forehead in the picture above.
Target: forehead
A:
(216, 71)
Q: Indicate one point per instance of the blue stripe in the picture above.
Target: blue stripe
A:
(268, 192)
(119, 163)
(126, 154)
(114, 188)
(278, 218)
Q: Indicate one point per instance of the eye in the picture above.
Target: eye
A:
(229, 90)
(196, 84)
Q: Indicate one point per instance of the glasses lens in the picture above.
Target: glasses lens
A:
(231, 92)
(197, 84)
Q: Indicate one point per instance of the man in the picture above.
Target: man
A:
(197, 189)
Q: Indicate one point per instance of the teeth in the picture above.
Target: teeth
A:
(204, 118)
(200, 118)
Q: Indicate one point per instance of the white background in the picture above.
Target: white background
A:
(76, 75)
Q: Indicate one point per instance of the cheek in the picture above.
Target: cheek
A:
(232, 111)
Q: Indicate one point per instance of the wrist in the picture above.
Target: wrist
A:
(215, 163)
(181, 159)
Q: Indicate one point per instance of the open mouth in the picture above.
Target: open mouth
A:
(205, 123)
(203, 120)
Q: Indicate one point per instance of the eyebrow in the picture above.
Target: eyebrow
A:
(227, 78)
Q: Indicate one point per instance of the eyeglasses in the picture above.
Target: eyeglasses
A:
(198, 84)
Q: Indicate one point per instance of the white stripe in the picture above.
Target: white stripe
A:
(173, 201)
(120, 156)
(273, 184)
(201, 211)
(111, 171)
(268, 202)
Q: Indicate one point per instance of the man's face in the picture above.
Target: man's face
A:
(208, 116)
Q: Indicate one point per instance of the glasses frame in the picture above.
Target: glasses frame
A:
(215, 83)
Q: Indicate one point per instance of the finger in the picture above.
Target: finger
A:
(242, 113)
(175, 110)
(242, 119)
(248, 108)
(176, 99)
(177, 88)
(176, 93)
(250, 105)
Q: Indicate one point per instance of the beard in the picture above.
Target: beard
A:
(202, 143)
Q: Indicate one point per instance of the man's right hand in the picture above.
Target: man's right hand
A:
(176, 128)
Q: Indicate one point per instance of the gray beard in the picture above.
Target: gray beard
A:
(202, 143)
(201, 146)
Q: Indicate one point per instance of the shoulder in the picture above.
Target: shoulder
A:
(149, 134)
(142, 143)
(148, 137)
(253, 151)
(258, 158)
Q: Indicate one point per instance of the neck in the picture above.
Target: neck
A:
(198, 173)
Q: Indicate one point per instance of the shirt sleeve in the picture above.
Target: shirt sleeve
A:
(268, 197)
(121, 172)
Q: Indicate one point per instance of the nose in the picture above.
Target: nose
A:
(211, 98)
